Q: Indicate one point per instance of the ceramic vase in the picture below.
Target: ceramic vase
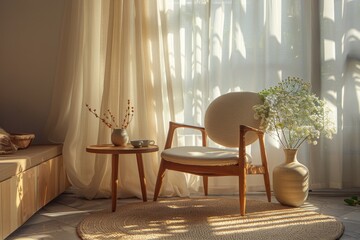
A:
(119, 137)
(291, 180)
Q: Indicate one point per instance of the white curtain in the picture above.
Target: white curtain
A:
(338, 165)
(111, 53)
(215, 47)
(171, 58)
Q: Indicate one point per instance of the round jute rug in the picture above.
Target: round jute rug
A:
(208, 218)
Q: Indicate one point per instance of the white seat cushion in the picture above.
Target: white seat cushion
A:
(203, 156)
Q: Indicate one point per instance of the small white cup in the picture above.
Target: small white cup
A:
(136, 143)
(146, 143)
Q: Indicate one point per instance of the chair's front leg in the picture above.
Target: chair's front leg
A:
(242, 191)
(159, 179)
(242, 171)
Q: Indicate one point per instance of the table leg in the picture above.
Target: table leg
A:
(114, 180)
(141, 175)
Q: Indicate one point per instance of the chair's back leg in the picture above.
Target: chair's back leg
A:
(205, 184)
(267, 186)
(264, 163)
(159, 179)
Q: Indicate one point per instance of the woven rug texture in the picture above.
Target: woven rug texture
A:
(208, 218)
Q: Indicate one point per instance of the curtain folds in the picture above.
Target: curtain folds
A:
(172, 58)
(110, 54)
(339, 163)
(215, 47)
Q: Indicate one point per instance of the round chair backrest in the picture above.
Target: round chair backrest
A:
(226, 113)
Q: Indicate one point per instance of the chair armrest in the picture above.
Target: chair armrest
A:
(261, 136)
(246, 128)
(173, 126)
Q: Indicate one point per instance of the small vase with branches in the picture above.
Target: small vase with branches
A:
(119, 136)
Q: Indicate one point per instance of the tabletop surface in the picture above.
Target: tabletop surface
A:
(111, 149)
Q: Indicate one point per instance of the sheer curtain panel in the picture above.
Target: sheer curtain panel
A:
(110, 53)
(215, 47)
(171, 58)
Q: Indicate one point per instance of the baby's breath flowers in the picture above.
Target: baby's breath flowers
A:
(293, 113)
(109, 119)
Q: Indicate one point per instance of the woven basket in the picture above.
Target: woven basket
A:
(21, 140)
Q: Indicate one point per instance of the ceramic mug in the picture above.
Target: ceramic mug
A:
(146, 143)
(136, 143)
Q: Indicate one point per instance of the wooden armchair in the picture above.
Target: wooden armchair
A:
(229, 121)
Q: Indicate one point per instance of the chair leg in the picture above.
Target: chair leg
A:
(205, 184)
(159, 179)
(267, 185)
(242, 191)
(264, 163)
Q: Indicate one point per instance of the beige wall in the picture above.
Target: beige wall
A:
(29, 44)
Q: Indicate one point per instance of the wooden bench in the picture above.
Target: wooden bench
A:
(29, 179)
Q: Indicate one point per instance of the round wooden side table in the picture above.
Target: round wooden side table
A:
(115, 151)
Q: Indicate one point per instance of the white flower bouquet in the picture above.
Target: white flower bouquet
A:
(293, 113)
